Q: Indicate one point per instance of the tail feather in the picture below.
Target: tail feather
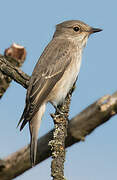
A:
(34, 126)
(33, 144)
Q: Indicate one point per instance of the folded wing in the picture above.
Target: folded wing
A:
(49, 69)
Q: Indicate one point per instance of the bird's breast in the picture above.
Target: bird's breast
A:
(66, 82)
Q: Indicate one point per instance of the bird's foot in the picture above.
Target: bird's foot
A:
(59, 112)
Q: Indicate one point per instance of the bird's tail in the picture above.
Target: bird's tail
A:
(34, 126)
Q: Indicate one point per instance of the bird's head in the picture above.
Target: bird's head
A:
(75, 30)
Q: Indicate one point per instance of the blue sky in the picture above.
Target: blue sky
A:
(32, 24)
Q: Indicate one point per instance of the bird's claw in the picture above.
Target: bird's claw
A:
(59, 112)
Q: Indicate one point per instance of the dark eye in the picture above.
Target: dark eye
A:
(76, 28)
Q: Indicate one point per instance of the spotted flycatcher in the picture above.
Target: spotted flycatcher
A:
(54, 74)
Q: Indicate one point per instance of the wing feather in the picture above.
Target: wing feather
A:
(47, 72)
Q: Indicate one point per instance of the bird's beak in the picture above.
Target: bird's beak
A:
(95, 30)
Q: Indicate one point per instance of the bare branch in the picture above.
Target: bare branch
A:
(16, 55)
(13, 72)
(79, 127)
(57, 143)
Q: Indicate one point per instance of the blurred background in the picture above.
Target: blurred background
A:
(32, 24)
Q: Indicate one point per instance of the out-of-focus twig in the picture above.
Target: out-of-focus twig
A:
(16, 55)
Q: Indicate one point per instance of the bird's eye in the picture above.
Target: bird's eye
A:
(76, 28)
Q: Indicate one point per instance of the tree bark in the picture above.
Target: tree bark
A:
(13, 72)
(59, 135)
(80, 126)
(16, 55)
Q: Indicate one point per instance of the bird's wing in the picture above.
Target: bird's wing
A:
(47, 72)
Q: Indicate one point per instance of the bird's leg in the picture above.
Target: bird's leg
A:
(60, 110)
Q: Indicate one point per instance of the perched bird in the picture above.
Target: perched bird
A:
(54, 74)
